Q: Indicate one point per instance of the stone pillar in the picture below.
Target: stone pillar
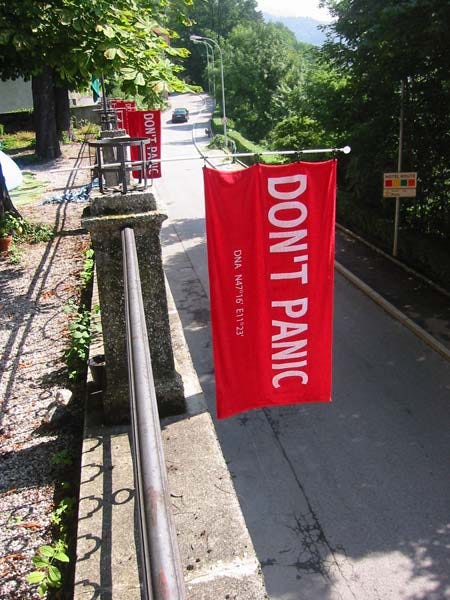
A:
(104, 219)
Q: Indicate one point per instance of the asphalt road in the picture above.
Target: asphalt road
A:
(347, 500)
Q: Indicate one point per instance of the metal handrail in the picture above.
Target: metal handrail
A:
(162, 574)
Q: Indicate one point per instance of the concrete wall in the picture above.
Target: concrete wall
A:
(15, 95)
(85, 113)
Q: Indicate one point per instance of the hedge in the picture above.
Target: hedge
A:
(244, 145)
(19, 120)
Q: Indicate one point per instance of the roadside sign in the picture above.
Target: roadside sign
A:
(146, 123)
(399, 185)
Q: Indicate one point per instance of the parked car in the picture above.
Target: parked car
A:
(180, 115)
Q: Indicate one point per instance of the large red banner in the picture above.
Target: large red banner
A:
(147, 123)
(270, 238)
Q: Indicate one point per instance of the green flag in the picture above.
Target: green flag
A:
(95, 86)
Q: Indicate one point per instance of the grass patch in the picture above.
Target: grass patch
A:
(20, 147)
(86, 131)
(30, 192)
(20, 141)
(238, 143)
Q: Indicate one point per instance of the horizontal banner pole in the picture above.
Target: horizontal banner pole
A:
(345, 150)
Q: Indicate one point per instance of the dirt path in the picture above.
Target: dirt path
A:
(40, 411)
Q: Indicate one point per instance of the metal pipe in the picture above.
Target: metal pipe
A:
(161, 564)
(213, 68)
(211, 48)
(399, 168)
(208, 68)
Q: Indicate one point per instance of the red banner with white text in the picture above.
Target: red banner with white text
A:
(270, 239)
(123, 109)
(147, 123)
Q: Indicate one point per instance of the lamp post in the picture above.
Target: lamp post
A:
(399, 167)
(199, 38)
(207, 66)
(210, 49)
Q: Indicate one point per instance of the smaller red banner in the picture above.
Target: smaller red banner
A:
(123, 108)
(147, 123)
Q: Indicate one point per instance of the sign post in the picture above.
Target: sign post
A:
(399, 185)
(399, 166)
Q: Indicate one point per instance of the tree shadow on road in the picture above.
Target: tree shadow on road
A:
(346, 498)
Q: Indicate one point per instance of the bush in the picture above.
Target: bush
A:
(19, 141)
(244, 145)
(21, 120)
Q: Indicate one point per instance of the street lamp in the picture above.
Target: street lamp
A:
(207, 66)
(198, 38)
(209, 49)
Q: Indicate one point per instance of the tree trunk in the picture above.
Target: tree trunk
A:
(6, 204)
(47, 144)
(62, 112)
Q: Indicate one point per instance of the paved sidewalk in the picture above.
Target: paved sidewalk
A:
(217, 554)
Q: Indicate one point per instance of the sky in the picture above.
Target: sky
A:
(294, 8)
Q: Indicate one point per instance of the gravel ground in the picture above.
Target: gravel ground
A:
(41, 416)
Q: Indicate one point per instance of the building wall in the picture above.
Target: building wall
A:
(15, 95)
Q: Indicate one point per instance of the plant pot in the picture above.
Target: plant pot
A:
(5, 243)
(96, 366)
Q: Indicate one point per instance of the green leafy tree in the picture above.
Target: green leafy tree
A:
(299, 110)
(221, 16)
(63, 43)
(297, 133)
(211, 18)
(258, 59)
(375, 46)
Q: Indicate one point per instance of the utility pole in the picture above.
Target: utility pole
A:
(399, 168)
(200, 38)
